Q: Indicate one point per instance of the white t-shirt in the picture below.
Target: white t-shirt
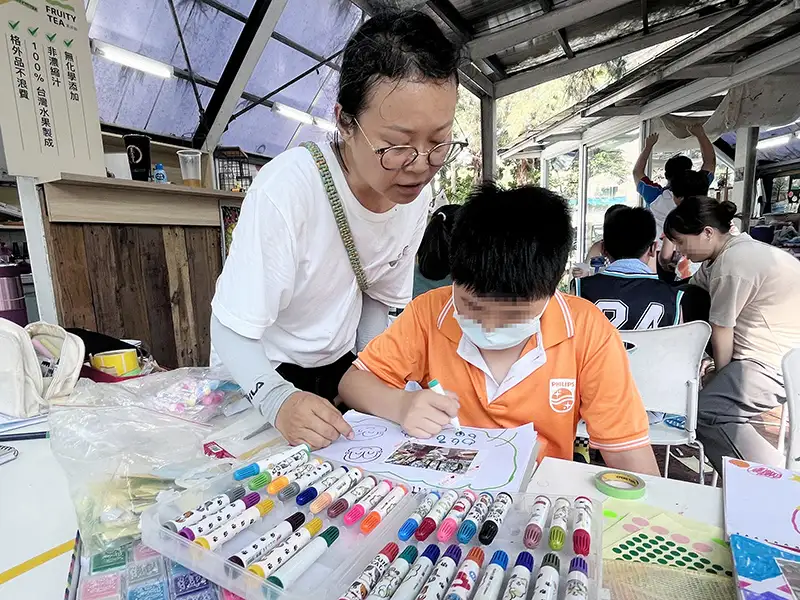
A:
(661, 207)
(288, 281)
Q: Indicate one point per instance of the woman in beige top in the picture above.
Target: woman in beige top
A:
(754, 321)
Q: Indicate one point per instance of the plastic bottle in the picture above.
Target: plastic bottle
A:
(160, 175)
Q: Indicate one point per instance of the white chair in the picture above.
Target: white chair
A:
(790, 365)
(665, 364)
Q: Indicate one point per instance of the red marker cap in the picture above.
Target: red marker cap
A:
(425, 528)
(390, 551)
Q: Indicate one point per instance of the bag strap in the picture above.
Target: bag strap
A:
(338, 214)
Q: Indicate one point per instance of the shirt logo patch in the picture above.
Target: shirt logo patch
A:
(562, 395)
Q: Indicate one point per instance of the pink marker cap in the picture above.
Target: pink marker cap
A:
(447, 529)
(354, 514)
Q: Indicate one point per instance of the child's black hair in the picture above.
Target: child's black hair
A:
(628, 233)
(511, 243)
(677, 165)
(696, 213)
(395, 45)
(690, 183)
(433, 255)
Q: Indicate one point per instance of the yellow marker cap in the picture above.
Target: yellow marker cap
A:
(201, 541)
(277, 485)
(265, 506)
(314, 526)
(256, 569)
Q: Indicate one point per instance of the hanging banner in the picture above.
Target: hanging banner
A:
(48, 106)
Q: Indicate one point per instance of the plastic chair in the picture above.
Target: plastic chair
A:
(665, 364)
(790, 365)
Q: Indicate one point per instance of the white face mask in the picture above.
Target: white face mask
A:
(501, 338)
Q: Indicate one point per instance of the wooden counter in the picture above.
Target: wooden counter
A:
(136, 260)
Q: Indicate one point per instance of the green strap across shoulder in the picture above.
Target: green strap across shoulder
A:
(338, 214)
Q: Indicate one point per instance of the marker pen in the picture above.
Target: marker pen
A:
(495, 518)
(339, 487)
(442, 575)
(383, 508)
(371, 574)
(368, 502)
(276, 485)
(312, 491)
(394, 575)
(467, 577)
(437, 387)
(517, 586)
(250, 554)
(411, 524)
(547, 579)
(303, 481)
(302, 561)
(538, 520)
(474, 518)
(261, 465)
(276, 470)
(209, 507)
(492, 581)
(558, 526)
(351, 497)
(577, 580)
(276, 557)
(235, 525)
(438, 512)
(582, 536)
(456, 515)
(218, 519)
(418, 574)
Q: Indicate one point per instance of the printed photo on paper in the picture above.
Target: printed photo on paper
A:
(435, 458)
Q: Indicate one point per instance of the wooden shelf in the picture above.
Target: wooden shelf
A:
(142, 186)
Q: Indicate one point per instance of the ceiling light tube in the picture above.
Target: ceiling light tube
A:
(293, 113)
(132, 59)
(774, 142)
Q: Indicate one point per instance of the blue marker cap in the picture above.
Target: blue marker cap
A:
(525, 560)
(579, 564)
(245, 472)
(453, 552)
(500, 559)
(407, 530)
(307, 495)
(431, 553)
(466, 531)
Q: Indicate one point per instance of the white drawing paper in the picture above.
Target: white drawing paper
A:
(492, 460)
(762, 503)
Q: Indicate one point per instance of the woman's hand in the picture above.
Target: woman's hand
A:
(426, 412)
(651, 140)
(306, 417)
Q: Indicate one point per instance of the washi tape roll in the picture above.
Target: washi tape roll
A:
(634, 486)
(116, 362)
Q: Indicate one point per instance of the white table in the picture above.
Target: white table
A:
(36, 515)
(699, 502)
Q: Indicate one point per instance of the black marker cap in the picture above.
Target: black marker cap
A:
(296, 520)
(488, 531)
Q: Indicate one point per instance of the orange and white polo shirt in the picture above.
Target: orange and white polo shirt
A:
(579, 371)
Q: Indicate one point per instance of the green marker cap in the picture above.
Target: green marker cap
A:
(275, 581)
(259, 481)
(409, 554)
(330, 534)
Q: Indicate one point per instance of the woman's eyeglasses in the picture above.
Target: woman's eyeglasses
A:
(394, 158)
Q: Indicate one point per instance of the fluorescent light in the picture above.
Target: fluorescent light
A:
(775, 142)
(132, 59)
(293, 113)
(323, 124)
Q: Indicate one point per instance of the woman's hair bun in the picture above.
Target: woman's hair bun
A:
(726, 210)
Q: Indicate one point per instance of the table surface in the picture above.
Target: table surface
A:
(699, 502)
(36, 512)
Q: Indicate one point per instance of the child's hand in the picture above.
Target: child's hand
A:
(426, 412)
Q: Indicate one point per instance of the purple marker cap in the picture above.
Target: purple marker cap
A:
(453, 551)
(524, 559)
(579, 564)
(431, 553)
(251, 499)
(500, 558)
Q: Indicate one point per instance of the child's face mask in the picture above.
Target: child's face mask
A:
(502, 324)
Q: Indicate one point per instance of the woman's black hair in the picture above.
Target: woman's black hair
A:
(394, 45)
(433, 255)
(695, 213)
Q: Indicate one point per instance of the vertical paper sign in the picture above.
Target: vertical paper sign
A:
(48, 106)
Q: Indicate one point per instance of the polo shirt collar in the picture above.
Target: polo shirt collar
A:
(557, 323)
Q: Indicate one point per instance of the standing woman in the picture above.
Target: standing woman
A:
(327, 236)
(754, 321)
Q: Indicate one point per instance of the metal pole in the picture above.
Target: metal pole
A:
(489, 137)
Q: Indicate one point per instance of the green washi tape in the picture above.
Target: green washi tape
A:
(633, 489)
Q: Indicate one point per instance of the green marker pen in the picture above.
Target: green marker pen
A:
(302, 561)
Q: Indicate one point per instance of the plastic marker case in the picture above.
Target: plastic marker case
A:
(336, 569)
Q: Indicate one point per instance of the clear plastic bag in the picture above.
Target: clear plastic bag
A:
(123, 445)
